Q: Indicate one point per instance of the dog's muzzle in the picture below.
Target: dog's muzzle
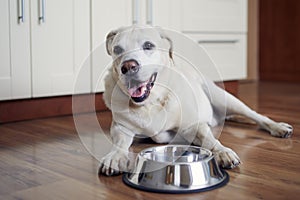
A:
(141, 91)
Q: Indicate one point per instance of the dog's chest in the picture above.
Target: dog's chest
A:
(152, 118)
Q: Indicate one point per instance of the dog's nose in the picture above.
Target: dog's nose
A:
(130, 67)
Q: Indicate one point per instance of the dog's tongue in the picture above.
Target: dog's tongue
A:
(137, 91)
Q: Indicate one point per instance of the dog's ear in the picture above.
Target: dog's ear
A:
(168, 39)
(171, 46)
(109, 38)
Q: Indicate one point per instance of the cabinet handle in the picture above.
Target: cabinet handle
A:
(149, 12)
(42, 11)
(21, 10)
(218, 41)
(135, 11)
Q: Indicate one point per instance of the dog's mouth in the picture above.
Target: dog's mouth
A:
(141, 91)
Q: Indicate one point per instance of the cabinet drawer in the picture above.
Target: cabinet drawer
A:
(228, 52)
(214, 15)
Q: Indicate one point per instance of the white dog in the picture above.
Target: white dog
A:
(148, 95)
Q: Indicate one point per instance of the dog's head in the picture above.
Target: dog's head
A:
(139, 54)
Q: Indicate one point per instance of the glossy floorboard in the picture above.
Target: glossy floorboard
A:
(46, 159)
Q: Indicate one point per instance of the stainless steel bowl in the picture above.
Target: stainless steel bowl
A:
(176, 169)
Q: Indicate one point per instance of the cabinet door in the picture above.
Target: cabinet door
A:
(201, 15)
(60, 44)
(14, 50)
(166, 14)
(106, 16)
(227, 51)
(214, 15)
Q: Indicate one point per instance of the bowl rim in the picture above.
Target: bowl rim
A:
(150, 149)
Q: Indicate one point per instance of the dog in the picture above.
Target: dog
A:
(149, 95)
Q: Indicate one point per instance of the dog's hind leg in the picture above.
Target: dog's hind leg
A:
(234, 106)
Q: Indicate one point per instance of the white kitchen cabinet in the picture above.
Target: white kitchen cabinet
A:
(207, 16)
(43, 57)
(42, 54)
(60, 45)
(166, 14)
(228, 53)
(15, 76)
(214, 16)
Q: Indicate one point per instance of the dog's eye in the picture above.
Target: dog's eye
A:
(148, 46)
(118, 50)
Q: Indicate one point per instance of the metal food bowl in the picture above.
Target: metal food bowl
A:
(176, 169)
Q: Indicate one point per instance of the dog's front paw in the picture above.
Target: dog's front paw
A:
(227, 158)
(281, 129)
(114, 163)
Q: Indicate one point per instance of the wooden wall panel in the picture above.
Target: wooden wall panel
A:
(279, 40)
(252, 43)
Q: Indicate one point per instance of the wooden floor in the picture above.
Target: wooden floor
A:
(45, 159)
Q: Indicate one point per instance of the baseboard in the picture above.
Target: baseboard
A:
(28, 109)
